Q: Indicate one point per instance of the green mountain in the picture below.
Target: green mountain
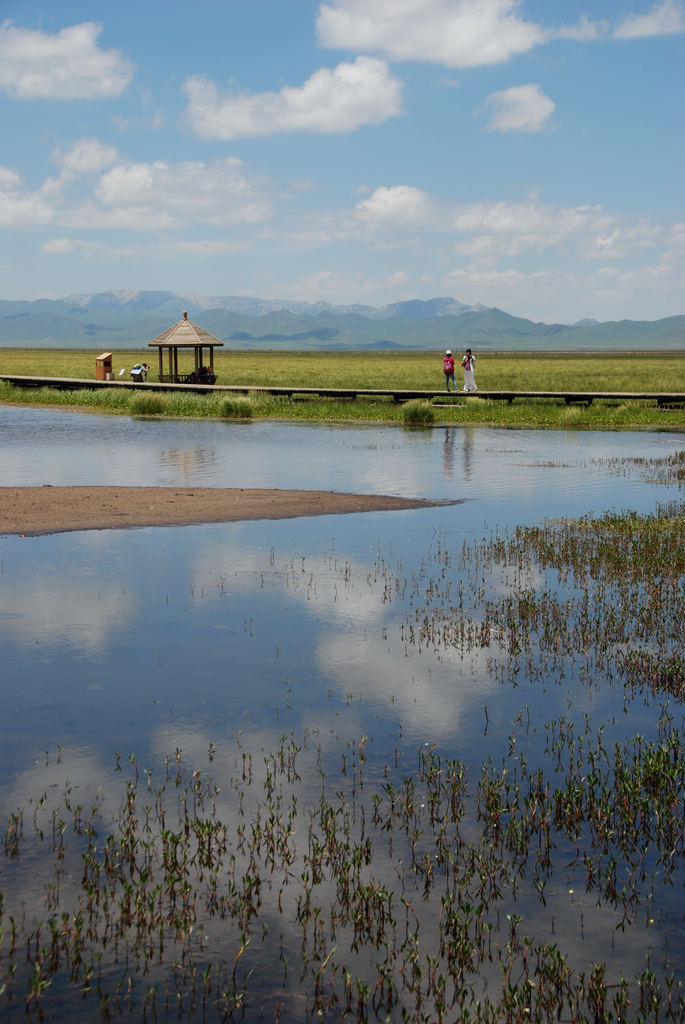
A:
(118, 320)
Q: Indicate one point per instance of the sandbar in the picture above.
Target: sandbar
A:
(31, 511)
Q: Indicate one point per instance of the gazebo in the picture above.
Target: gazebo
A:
(186, 334)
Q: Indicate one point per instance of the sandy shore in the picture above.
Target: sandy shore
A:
(36, 510)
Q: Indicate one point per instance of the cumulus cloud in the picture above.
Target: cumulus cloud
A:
(216, 193)
(468, 33)
(490, 231)
(457, 33)
(505, 287)
(330, 101)
(397, 205)
(530, 216)
(137, 196)
(402, 216)
(621, 240)
(10, 181)
(381, 220)
(68, 65)
(522, 108)
(663, 19)
(19, 206)
(85, 156)
(489, 234)
(561, 288)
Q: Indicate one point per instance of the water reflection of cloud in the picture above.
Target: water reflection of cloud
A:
(573, 921)
(328, 588)
(58, 610)
(76, 769)
(356, 636)
(75, 775)
(430, 693)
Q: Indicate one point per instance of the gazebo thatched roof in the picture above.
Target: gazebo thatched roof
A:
(185, 334)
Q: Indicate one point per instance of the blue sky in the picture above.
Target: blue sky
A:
(523, 155)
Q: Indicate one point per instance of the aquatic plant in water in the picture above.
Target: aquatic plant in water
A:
(347, 883)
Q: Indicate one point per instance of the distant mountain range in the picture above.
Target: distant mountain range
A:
(117, 320)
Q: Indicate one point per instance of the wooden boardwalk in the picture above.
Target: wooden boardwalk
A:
(663, 399)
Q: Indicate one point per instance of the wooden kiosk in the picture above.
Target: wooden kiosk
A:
(103, 367)
(186, 334)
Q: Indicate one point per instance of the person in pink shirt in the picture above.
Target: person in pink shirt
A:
(448, 369)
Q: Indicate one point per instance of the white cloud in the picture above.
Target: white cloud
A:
(580, 293)
(621, 240)
(398, 205)
(85, 156)
(381, 219)
(644, 279)
(330, 285)
(676, 235)
(518, 291)
(136, 196)
(456, 33)
(59, 246)
(216, 193)
(90, 250)
(666, 18)
(10, 181)
(65, 66)
(586, 30)
(403, 216)
(531, 224)
(341, 100)
(522, 108)
(18, 205)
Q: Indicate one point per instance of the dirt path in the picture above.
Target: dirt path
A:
(36, 510)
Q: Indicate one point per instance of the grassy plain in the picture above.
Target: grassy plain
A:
(626, 372)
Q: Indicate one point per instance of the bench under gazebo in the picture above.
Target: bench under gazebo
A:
(186, 334)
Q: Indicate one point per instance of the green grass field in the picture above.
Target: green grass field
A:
(622, 372)
(542, 371)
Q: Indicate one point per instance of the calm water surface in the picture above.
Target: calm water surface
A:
(157, 640)
(505, 472)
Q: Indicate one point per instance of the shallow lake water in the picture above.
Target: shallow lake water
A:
(153, 641)
(507, 473)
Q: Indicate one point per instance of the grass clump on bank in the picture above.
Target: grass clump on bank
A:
(147, 405)
(236, 408)
(418, 413)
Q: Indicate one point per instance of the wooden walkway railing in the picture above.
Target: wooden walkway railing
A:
(660, 398)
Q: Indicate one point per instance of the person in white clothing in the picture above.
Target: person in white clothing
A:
(468, 362)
